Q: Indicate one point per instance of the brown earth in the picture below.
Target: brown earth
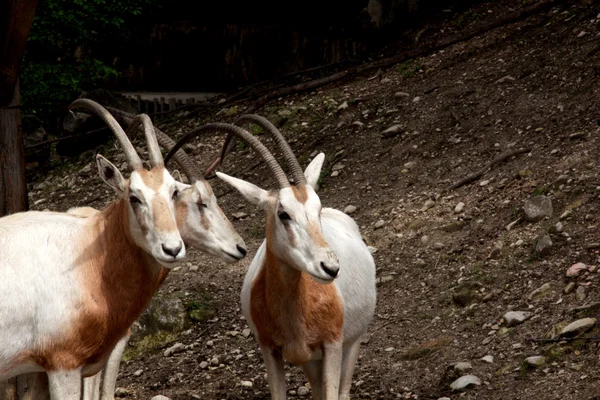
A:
(533, 84)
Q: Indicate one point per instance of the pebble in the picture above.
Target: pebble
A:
(210, 343)
(464, 382)
(488, 359)
(537, 208)
(513, 318)
(214, 361)
(247, 384)
(385, 80)
(559, 227)
(438, 245)
(392, 131)
(428, 204)
(343, 106)
(379, 224)
(582, 34)
(372, 249)
(581, 293)
(543, 245)
(176, 348)
(387, 278)
(578, 326)
(160, 397)
(484, 182)
(463, 367)
(239, 215)
(416, 99)
(203, 365)
(575, 269)
(420, 262)
(350, 209)
(505, 79)
(569, 288)
(536, 361)
(303, 391)
(338, 167)
(459, 208)
(138, 372)
(401, 94)
(246, 332)
(335, 173)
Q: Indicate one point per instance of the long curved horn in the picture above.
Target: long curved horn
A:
(242, 134)
(156, 159)
(187, 165)
(290, 158)
(133, 158)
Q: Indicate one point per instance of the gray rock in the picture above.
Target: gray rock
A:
(139, 372)
(338, 167)
(401, 94)
(513, 318)
(416, 99)
(543, 245)
(203, 365)
(239, 215)
(464, 382)
(385, 80)
(459, 208)
(165, 313)
(559, 227)
(214, 361)
(379, 224)
(176, 348)
(335, 173)
(428, 204)
(578, 326)
(303, 391)
(160, 397)
(488, 359)
(420, 262)
(392, 131)
(541, 292)
(246, 384)
(536, 361)
(350, 209)
(581, 293)
(387, 278)
(438, 245)
(343, 106)
(463, 367)
(246, 332)
(537, 208)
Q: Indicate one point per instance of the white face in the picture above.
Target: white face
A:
(203, 224)
(296, 235)
(151, 210)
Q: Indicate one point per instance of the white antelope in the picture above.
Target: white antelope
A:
(309, 293)
(73, 286)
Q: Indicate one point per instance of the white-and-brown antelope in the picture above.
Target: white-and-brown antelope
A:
(309, 293)
(73, 286)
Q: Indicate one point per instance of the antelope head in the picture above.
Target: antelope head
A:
(148, 194)
(293, 225)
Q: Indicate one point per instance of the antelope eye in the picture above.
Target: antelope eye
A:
(203, 205)
(283, 216)
(175, 193)
(134, 200)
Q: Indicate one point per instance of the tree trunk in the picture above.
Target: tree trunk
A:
(13, 189)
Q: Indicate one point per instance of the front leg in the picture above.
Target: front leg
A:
(275, 372)
(111, 370)
(332, 370)
(65, 385)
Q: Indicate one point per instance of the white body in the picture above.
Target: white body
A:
(355, 284)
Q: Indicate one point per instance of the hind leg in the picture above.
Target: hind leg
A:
(314, 372)
(348, 364)
(65, 385)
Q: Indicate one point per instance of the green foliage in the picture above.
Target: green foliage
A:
(71, 47)
(408, 68)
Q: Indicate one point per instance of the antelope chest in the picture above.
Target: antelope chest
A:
(296, 320)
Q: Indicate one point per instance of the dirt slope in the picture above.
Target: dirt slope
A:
(448, 277)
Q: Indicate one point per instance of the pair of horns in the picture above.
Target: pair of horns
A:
(237, 131)
(134, 160)
(187, 165)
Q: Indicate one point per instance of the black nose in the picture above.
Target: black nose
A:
(331, 271)
(172, 251)
(242, 250)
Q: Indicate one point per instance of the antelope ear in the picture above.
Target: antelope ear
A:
(110, 174)
(313, 171)
(177, 175)
(251, 192)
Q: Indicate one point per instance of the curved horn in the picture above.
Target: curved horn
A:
(187, 165)
(290, 158)
(156, 159)
(133, 158)
(242, 134)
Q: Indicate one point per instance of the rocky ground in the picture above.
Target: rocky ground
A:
(479, 283)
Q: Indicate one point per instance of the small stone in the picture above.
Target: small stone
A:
(176, 348)
(512, 224)
(484, 182)
(379, 224)
(463, 367)
(416, 99)
(138, 372)
(536, 361)
(203, 365)
(513, 318)
(582, 34)
(459, 208)
(372, 249)
(389, 349)
(335, 173)
(343, 106)
(576, 269)
(387, 278)
(160, 397)
(488, 359)
(541, 292)
(420, 262)
(438, 245)
(358, 123)
(581, 293)
(464, 382)
(210, 343)
(559, 227)
(214, 361)
(221, 101)
(246, 384)
(350, 209)
(401, 94)
(338, 167)
(428, 204)
(385, 80)
(578, 326)
(543, 245)
(538, 208)
(566, 214)
(239, 215)
(570, 287)
(392, 131)
(246, 332)
(303, 391)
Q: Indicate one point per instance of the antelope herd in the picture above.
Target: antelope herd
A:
(75, 282)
